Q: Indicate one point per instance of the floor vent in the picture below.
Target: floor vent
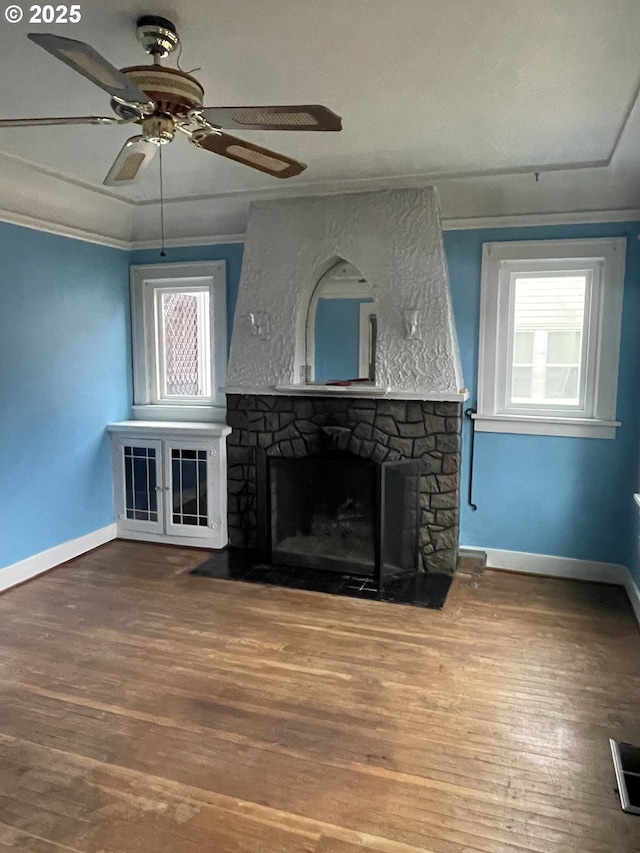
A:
(626, 762)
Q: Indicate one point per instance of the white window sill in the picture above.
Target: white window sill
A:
(531, 425)
(159, 412)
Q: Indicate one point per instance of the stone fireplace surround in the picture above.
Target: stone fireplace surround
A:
(376, 429)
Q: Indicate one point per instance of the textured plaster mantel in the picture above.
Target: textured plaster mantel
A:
(394, 238)
(317, 390)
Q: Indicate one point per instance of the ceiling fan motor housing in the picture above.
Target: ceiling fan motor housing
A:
(174, 92)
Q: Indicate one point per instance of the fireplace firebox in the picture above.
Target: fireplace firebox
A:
(338, 512)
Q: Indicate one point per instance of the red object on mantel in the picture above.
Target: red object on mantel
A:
(346, 382)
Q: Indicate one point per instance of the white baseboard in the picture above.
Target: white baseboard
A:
(564, 567)
(557, 567)
(45, 560)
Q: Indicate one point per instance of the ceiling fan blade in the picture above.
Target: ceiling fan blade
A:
(135, 155)
(296, 117)
(34, 122)
(248, 154)
(88, 62)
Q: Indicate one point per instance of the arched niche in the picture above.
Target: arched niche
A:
(341, 327)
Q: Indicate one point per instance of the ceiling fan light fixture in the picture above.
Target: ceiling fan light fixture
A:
(158, 129)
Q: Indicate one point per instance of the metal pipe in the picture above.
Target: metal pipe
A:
(469, 414)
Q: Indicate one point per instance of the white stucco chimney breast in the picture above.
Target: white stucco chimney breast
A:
(394, 238)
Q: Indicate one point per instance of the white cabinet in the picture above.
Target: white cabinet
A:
(170, 482)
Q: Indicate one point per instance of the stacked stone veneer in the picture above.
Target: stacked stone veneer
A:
(369, 428)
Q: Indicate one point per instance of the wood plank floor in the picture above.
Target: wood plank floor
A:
(143, 709)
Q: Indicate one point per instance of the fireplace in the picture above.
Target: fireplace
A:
(374, 263)
(338, 512)
(397, 454)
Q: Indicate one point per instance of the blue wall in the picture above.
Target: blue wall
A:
(64, 374)
(547, 495)
(563, 496)
(229, 252)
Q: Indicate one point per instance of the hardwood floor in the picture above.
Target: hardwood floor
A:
(143, 709)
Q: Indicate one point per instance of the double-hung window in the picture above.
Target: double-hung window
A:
(550, 337)
(179, 340)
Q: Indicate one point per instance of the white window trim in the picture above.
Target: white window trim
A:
(146, 280)
(598, 418)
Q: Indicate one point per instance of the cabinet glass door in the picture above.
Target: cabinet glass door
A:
(188, 508)
(141, 489)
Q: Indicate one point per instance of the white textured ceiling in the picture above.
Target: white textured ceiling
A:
(474, 90)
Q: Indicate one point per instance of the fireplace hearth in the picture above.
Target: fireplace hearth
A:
(237, 564)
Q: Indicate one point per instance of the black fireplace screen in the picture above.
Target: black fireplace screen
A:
(338, 512)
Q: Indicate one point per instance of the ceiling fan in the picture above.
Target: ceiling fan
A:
(164, 100)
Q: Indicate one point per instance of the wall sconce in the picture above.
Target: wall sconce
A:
(260, 324)
(411, 324)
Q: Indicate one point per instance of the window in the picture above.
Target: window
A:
(179, 340)
(550, 337)
(546, 355)
(182, 344)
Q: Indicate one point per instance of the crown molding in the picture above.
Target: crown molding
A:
(13, 218)
(38, 198)
(448, 224)
(453, 224)
(24, 165)
(186, 242)
(578, 217)
(412, 180)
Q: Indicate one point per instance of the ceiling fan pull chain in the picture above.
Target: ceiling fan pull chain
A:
(163, 254)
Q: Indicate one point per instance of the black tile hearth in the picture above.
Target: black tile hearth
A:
(417, 590)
